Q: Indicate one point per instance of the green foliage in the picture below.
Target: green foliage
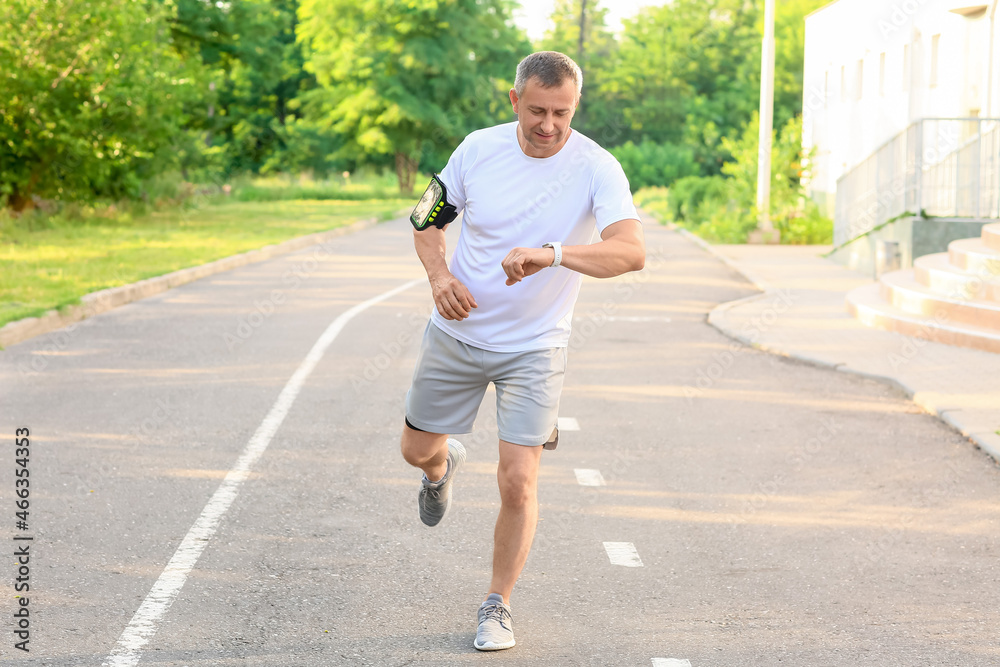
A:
(653, 199)
(686, 73)
(305, 146)
(796, 216)
(652, 164)
(395, 75)
(708, 206)
(648, 92)
(140, 98)
(723, 208)
(359, 186)
(200, 162)
(253, 72)
(596, 115)
(789, 55)
(809, 226)
(703, 204)
(93, 98)
(686, 201)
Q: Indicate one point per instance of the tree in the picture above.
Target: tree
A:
(685, 75)
(398, 75)
(789, 56)
(93, 99)
(647, 81)
(254, 69)
(680, 78)
(594, 49)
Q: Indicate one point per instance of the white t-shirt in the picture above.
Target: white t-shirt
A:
(511, 200)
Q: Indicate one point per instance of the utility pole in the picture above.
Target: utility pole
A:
(765, 232)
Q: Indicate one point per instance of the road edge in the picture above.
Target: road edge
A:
(104, 300)
(718, 318)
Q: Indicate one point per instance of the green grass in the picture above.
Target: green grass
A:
(50, 262)
(355, 187)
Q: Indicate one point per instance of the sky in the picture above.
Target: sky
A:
(534, 14)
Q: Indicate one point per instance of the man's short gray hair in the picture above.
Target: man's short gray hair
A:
(551, 68)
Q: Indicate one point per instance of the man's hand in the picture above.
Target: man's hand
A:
(523, 262)
(452, 298)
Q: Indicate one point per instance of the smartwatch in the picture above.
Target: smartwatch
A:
(557, 247)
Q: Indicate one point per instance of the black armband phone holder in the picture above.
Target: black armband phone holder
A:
(433, 209)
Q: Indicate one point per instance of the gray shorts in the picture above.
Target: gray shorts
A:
(451, 377)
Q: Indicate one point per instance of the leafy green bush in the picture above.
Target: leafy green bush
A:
(94, 102)
(650, 164)
(724, 209)
(685, 202)
(808, 227)
(792, 212)
(305, 147)
(653, 200)
(703, 204)
(723, 220)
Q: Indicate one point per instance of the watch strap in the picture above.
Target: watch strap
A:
(557, 249)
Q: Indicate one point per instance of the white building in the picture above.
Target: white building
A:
(873, 68)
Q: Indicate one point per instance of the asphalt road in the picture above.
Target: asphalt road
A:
(783, 514)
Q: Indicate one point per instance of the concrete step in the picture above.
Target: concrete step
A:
(991, 235)
(901, 290)
(975, 257)
(868, 306)
(939, 275)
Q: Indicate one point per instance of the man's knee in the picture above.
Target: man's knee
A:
(518, 486)
(419, 447)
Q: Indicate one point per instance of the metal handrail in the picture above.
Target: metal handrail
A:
(955, 174)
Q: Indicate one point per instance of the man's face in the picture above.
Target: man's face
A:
(543, 116)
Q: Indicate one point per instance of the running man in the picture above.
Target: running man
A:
(533, 193)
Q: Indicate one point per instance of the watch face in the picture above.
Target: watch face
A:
(432, 195)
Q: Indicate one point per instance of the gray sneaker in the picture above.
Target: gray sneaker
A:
(496, 630)
(435, 497)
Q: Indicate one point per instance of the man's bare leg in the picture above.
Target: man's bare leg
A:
(427, 451)
(517, 476)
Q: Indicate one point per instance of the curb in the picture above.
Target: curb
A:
(718, 316)
(96, 303)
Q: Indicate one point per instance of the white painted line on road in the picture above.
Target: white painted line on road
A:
(638, 319)
(567, 424)
(623, 553)
(670, 662)
(589, 477)
(622, 318)
(146, 619)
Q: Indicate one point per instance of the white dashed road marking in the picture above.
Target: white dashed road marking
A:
(623, 553)
(626, 319)
(568, 424)
(589, 477)
(638, 319)
(670, 662)
(146, 619)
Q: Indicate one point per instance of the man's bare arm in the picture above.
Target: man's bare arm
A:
(622, 249)
(451, 297)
